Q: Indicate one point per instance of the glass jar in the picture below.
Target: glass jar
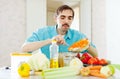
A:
(65, 58)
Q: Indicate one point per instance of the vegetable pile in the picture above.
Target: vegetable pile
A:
(89, 60)
(98, 71)
(39, 62)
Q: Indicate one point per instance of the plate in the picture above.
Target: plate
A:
(85, 65)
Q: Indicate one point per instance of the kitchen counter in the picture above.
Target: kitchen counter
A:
(7, 74)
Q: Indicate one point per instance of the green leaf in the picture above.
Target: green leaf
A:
(117, 66)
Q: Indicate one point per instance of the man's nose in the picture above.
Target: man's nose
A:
(66, 20)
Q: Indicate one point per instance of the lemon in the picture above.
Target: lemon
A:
(24, 69)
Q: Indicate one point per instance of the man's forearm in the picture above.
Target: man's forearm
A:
(92, 51)
(29, 47)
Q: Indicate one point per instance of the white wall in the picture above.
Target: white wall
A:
(105, 28)
(76, 22)
(113, 30)
(35, 15)
(18, 19)
(85, 17)
(12, 28)
(99, 26)
(50, 18)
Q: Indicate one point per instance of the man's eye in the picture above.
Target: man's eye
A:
(70, 18)
(62, 17)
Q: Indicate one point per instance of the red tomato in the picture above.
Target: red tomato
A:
(97, 60)
(93, 60)
(102, 62)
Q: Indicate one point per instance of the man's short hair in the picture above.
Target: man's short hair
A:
(64, 7)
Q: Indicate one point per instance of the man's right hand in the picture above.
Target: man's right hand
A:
(59, 39)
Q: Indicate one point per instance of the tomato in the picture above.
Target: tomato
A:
(97, 62)
(102, 62)
(93, 60)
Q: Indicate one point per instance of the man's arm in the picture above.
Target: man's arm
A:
(92, 51)
(32, 46)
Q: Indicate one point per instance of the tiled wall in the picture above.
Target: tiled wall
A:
(12, 28)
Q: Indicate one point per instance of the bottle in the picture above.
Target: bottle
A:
(54, 54)
(61, 60)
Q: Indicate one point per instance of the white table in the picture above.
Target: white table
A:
(7, 74)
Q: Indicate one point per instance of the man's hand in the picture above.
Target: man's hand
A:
(59, 39)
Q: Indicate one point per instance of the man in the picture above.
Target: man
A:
(61, 32)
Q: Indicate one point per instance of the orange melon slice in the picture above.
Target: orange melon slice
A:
(79, 46)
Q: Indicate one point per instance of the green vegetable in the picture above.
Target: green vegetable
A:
(117, 66)
(108, 70)
(54, 73)
(38, 61)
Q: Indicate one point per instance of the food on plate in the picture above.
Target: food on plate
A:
(108, 70)
(79, 46)
(39, 61)
(24, 69)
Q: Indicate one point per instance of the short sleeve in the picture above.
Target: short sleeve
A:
(36, 36)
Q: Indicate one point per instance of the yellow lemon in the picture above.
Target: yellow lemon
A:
(24, 69)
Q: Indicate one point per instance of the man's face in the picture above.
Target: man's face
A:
(64, 20)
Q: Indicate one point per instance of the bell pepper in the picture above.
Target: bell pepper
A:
(24, 69)
(85, 57)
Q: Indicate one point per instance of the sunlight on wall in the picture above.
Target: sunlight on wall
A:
(113, 33)
(75, 24)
